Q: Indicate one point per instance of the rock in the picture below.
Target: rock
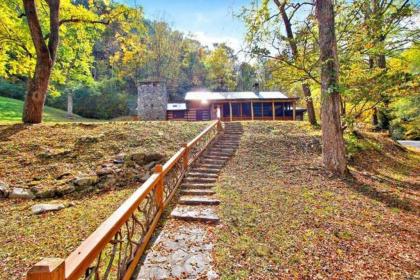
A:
(49, 193)
(4, 190)
(119, 159)
(65, 189)
(153, 157)
(33, 183)
(145, 177)
(86, 180)
(49, 154)
(70, 204)
(42, 208)
(104, 171)
(150, 165)
(138, 158)
(21, 193)
(62, 175)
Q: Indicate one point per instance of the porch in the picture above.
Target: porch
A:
(256, 110)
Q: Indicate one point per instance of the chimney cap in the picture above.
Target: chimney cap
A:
(257, 88)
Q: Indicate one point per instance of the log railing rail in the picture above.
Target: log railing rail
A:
(114, 249)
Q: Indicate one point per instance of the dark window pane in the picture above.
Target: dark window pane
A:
(178, 114)
(246, 109)
(267, 109)
(236, 109)
(226, 112)
(257, 109)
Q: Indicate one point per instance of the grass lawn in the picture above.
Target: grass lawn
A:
(37, 156)
(285, 218)
(11, 112)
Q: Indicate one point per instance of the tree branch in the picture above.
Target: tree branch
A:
(79, 20)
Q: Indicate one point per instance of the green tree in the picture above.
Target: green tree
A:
(220, 64)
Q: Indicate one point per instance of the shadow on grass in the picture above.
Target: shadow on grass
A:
(7, 131)
(389, 199)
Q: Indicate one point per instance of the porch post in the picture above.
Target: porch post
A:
(284, 109)
(294, 110)
(230, 110)
(252, 110)
(274, 110)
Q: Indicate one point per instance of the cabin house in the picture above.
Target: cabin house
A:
(153, 104)
(235, 106)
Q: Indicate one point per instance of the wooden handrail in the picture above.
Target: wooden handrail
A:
(204, 132)
(150, 193)
(80, 259)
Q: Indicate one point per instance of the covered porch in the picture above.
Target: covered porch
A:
(256, 110)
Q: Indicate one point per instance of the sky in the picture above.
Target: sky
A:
(209, 21)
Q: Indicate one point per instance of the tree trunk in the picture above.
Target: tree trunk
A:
(293, 47)
(70, 105)
(46, 54)
(309, 104)
(375, 121)
(36, 94)
(333, 150)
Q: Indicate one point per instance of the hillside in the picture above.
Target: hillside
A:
(284, 217)
(47, 159)
(11, 112)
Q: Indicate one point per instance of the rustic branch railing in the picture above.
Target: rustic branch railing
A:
(114, 249)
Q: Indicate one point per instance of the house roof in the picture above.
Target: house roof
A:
(232, 95)
(176, 106)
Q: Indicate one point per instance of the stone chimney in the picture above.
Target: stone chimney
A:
(256, 88)
(152, 100)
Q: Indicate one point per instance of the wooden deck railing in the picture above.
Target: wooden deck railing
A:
(114, 249)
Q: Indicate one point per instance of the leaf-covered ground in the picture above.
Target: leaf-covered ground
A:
(285, 218)
(24, 237)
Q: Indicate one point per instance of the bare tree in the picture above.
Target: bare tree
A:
(333, 150)
(295, 53)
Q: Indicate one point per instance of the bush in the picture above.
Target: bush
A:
(13, 90)
(103, 100)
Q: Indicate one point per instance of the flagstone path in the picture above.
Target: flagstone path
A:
(183, 248)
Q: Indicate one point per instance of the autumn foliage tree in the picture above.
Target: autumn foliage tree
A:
(333, 150)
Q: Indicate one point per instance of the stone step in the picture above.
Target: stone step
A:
(228, 142)
(198, 200)
(217, 157)
(202, 174)
(211, 165)
(196, 186)
(219, 154)
(197, 192)
(207, 170)
(199, 180)
(225, 146)
(195, 214)
(212, 160)
(221, 149)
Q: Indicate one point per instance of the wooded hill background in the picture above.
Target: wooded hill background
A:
(107, 48)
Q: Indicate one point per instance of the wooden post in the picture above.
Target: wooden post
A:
(274, 110)
(252, 110)
(230, 110)
(186, 156)
(47, 269)
(284, 110)
(294, 110)
(159, 186)
(219, 126)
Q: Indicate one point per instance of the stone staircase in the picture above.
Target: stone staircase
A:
(184, 249)
(197, 202)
